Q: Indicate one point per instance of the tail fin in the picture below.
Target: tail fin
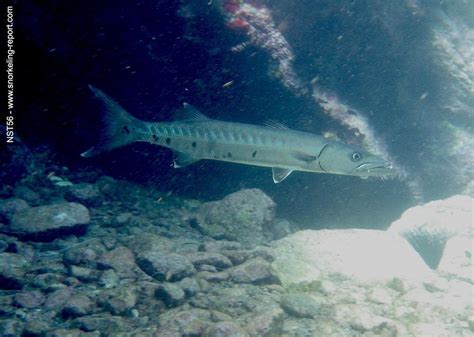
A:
(119, 126)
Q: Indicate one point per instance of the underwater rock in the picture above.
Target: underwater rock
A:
(12, 270)
(9, 206)
(225, 329)
(457, 258)
(27, 194)
(240, 216)
(185, 323)
(256, 271)
(266, 324)
(120, 300)
(213, 259)
(37, 324)
(430, 226)
(306, 257)
(84, 254)
(121, 260)
(45, 223)
(10, 327)
(218, 245)
(171, 294)
(29, 299)
(122, 219)
(362, 320)
(213, 277)
(165, 266)
(190, 286)
(84, 274)
(78, 305)
(106, 324)
(300, 305)
(109, 279)
(87, 194)
(58, 299)
(69, 333)
(279, 228)
(147, 242)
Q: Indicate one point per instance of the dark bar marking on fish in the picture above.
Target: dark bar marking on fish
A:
(126, 130)
(194, 144)
(254, 154)
(168, 141)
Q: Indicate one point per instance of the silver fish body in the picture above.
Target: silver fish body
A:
(196, 137)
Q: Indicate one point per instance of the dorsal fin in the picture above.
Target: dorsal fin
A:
(190, 113)
(275, 125)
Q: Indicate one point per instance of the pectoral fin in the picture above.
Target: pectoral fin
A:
(279, 174)
(181, 159)
(308, 158)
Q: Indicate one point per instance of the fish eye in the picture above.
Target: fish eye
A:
(356, 156)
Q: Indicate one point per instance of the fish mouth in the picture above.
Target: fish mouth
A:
(374, 169)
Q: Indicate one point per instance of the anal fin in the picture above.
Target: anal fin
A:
(279, 174)
(181, 159)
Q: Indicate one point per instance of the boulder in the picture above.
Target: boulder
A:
(428, 227)
(307, 257)
(46, 223)
(240, 216)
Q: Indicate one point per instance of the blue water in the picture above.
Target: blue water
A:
(152, 56)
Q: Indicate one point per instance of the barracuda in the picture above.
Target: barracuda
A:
(195, 137)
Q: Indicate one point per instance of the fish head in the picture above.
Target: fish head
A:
(345, 159)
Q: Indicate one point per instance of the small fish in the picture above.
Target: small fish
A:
(195, 137)
(228, 84)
